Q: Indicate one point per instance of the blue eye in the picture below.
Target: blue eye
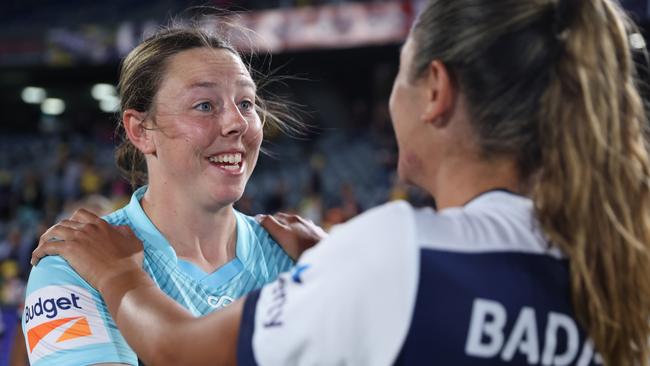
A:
(246, 105)
(204, 107)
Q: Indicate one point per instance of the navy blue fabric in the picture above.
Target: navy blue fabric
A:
(450, 282)
(245, 356)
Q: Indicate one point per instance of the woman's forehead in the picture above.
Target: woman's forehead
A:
(201, 65)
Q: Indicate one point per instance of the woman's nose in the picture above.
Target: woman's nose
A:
(235, 123)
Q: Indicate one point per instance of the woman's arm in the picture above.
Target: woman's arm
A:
(159, 330)
(163, 333)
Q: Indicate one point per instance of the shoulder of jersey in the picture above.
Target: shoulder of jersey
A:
(501, 222)
(351, 263)
(62, 312)
(389, 217)
(117, 217)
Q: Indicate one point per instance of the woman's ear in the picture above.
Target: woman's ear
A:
(440, 94)
(137, 132)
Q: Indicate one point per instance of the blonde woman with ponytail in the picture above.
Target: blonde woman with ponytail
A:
(524, 121)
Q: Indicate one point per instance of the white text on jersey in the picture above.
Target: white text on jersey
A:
(50, 307)
(486, 337)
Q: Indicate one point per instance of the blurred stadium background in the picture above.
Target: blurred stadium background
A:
(58, 70)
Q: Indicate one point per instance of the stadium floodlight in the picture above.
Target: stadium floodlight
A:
(637, 41)
(33, 95)
(110, 105)
(103, 91)
(53, 106)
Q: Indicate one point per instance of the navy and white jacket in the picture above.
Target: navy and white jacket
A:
(471, 285)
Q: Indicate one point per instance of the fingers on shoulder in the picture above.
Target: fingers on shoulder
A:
(59, 247)
(56, 232)
(125, 230)
(288, 218)
(84, 216)
(269, 221)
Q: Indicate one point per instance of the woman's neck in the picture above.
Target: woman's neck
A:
(459, 182)
(204, 237)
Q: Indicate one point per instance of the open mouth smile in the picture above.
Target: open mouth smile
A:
(228, 161)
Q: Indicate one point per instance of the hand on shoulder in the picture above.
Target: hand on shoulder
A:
(294, 233)
(95, 249)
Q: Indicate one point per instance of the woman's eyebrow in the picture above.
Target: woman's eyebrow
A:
(204, 84)
(211, 84)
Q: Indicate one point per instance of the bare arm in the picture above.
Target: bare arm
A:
(163, 333)
(159, 330)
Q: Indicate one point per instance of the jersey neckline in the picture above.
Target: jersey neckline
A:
(488, 192)
(153, 239)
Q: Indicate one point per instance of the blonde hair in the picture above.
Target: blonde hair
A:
(553, 82)
(593, 199)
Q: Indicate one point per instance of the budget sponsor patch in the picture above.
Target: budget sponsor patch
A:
(60, 318)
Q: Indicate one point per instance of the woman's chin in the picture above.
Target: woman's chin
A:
(226, 198)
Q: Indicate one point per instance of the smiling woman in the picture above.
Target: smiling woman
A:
(192, 135)
(203, 141)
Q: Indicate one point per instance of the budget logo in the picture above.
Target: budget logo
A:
(58, 318)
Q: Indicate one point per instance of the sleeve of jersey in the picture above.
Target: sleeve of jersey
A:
(65, 321)
(348, 300)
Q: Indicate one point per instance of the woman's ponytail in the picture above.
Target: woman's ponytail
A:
(593, 196)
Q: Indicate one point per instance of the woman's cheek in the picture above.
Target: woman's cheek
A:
(255, 133)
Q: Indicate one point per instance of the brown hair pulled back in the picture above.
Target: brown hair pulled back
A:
(553, 83)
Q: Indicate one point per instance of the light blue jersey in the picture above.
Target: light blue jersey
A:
(67, 323)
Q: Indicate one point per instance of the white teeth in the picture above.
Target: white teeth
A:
(226, 158)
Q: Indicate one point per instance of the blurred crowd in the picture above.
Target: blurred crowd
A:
(44, 179)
